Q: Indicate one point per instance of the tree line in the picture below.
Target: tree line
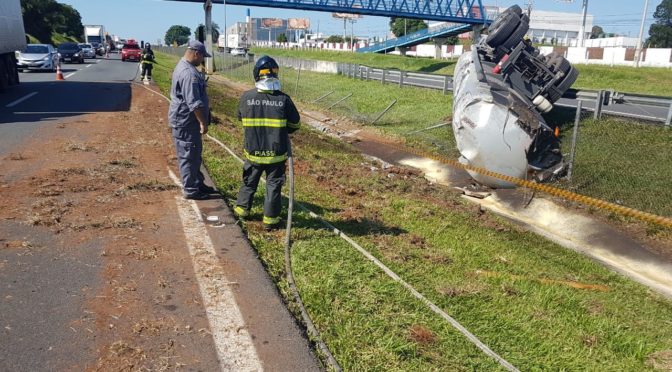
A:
(44, 18)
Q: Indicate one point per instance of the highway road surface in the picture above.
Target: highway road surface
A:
(103, 265)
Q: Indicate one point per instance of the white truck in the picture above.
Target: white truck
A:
(94, 34)
(12, 39)
(235, 41)
(500, 89)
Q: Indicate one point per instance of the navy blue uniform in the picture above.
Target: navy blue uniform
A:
(267, 117)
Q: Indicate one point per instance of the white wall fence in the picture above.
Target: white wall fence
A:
(612, 56)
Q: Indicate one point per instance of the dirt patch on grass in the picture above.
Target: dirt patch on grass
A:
(661, 360)
(421, 335)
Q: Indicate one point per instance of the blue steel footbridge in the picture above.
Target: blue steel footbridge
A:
(463, 14)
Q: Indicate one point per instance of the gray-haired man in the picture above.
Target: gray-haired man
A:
(188, 117)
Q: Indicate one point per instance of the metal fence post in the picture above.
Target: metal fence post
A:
(445, 84)
(575, 134)
(669, 117)
(401, 78)
(298, 76)
(598, 105)
(382, 81)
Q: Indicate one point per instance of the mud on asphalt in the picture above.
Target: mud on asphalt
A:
(88, 209)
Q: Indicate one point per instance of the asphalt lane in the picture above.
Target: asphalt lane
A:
(44, 287)
(99, 85)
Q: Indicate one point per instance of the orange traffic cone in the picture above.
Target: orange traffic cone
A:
(59, 73)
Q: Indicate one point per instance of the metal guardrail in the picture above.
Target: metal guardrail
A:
(601, 98)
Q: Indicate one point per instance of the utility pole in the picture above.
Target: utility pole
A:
(638, 51)
(405, 32)
(226, 38)
(209, 66)
(582, 31)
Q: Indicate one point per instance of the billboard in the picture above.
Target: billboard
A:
(271, 22)
(299, 23)
(346, 15)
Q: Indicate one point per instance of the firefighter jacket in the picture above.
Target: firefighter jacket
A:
(268, 117)
(147, 57)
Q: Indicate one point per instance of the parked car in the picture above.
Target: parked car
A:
(88, 50)
(130, 52)
(71, 52)
(238, 52)
(37, 57)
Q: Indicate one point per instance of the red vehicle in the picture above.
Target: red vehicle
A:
(130, 51)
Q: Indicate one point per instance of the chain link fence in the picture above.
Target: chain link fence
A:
(623, 161)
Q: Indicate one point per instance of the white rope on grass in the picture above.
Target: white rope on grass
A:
(470, 336)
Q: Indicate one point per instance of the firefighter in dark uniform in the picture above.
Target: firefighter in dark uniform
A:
(268, 116)
(147, 61)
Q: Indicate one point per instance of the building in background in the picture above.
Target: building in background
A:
(267, 30)
(557, 28)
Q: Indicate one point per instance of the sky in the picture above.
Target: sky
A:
(148, 20)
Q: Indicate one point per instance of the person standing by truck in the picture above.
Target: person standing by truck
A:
(147, 61)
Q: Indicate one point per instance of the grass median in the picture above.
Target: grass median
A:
(535, 303)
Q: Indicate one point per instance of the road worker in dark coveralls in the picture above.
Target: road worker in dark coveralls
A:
(147, 61)
(189, 117)
(268, 116)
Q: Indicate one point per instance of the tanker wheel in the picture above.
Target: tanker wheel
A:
(502, 28)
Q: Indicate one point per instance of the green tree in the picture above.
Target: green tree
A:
(282, 38)
(200, 32)
(334, 39)
(452, 40)
(403, 26)
(660, 33)
(596, 32)
(178, 34)
(42, 18)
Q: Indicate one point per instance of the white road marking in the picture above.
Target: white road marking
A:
(87, 66)
(70, 74)
(12, 104)
(233, 342)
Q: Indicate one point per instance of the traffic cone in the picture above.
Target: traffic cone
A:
(59, 73)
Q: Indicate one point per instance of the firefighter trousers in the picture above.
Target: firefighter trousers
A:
(275, 178)
(146, 70)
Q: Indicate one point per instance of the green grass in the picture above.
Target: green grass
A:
(437, 243)
(624, 162)
(644, 80)
(57, 39)
(391, 61)
(368, 100)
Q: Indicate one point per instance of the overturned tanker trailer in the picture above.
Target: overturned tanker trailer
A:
(500, 88)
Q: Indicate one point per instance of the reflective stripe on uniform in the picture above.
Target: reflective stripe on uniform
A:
(294, 125)
(271, 220)
(265, 159)
(274, 123)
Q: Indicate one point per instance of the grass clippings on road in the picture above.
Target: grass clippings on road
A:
(522, 308)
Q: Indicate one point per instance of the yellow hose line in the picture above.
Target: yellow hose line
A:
(568, 195)
(598, 203)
